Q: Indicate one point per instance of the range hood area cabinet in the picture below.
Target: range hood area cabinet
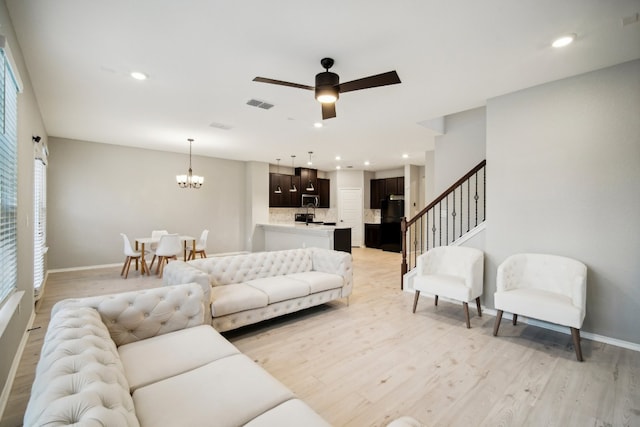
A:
(284, 198)
(384, 187)
(308, 180)
(288, 199)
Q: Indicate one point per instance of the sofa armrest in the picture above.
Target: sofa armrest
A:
(137, 315)
(336, 262)
(178, 272)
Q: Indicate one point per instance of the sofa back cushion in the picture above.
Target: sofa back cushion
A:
(80, 379)
(256, 265)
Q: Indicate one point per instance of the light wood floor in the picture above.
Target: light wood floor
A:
(373, 361)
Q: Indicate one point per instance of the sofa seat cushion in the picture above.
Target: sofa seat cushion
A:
(540, 304)
(443, 285)
(227, 299)
(289, 414)
(227, 392)
(318, 281)
(280, 288)
(164, 356)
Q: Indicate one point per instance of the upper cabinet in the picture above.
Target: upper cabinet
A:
(308, 180)
(324, 192)
(284, 191)
(384, 187)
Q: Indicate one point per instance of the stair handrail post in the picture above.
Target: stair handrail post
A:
(404, 267)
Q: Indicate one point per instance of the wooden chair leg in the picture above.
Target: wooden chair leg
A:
(203, 254)
(496, 325)
(515, 319)
(160, 261)
(124, 266)
(415, 301)
(126, 273)
(575, 334)
(466, 314)
(478, 306)
(435, 301)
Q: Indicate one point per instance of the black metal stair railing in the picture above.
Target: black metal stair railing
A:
(455, 212)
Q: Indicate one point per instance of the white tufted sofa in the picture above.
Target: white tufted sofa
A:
(145, 358)
(248, 288)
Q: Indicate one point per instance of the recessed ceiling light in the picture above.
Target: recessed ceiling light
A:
(337, 157)
(317, 125)
(138, 75)
(338, 167)
(405, 156)
(366, 163)
(563, 41)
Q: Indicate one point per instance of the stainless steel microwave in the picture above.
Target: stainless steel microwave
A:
(310, 200)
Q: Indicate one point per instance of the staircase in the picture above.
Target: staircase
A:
(455, 214)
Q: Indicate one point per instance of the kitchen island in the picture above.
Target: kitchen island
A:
(301, 235)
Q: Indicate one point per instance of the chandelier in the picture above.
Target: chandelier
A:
(190, 180)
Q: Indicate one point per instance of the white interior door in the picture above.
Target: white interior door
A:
(350, 213)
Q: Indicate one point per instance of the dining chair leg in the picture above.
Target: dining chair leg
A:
(466, 314)
(435, 301)
(515, 319)
(203, 254)
(124, 266)
(496, 325)
(415, 301)
(575, 334)
(152, 261)
(126, 273)
(478, 306)
(160, 261)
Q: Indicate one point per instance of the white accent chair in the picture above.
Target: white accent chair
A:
(550, 288)
(201, 246)
(169, 247)
(130, 255)
(454, 272)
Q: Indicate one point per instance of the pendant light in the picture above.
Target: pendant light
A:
(278, 189)
(293, 188)
(189, 180)
(310, 184)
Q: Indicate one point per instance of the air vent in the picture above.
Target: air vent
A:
(219, 126)
(259, 104)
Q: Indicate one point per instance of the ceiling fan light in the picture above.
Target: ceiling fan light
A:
(326, 98)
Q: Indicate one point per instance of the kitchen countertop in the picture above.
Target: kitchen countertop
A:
(301, 227)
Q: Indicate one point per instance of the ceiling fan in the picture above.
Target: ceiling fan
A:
(328, 87)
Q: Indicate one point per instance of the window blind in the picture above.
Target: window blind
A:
(39, 222)
(8, 179)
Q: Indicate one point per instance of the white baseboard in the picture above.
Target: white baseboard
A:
(6, 391)
(88, 267)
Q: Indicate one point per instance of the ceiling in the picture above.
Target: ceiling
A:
(201, 57)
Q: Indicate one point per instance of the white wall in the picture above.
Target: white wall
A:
(563, 167)
(96, 191)
(460, 149)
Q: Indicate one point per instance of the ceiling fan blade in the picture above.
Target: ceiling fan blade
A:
(282, 83)
(384, 79)
(328, 111)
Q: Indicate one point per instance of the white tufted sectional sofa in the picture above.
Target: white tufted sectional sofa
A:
(145, 358)
(248, 288)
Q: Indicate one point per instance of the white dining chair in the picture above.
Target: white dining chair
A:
(201, 246)
(155, 234)
(130, 255)
(168, 248)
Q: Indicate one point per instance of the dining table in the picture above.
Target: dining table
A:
(142, 241)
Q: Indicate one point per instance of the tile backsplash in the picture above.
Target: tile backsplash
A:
(287, 215)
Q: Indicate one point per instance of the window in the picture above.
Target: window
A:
(39, 221)
(8, 179)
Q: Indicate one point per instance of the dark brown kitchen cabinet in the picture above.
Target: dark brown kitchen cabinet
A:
(280, 194)
(372, 235)
(384, 187)
(324, 193)
(308, 180)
